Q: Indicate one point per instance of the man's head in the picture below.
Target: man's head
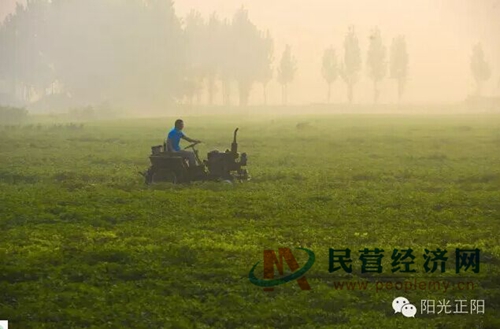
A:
(179, 124)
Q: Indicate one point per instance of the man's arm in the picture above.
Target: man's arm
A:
(190, 140)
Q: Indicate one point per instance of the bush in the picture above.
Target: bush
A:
(11, 115)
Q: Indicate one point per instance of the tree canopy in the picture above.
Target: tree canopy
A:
(351, 65)
(286, 71)
(376, 61)
(399, 63)
(126, 53)
(329, 68)
(481, 70)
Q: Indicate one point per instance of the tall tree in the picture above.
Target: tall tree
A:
(227, 63)
(481, 70)
(376, 61)
(8, 61)
(349, 69)
(195, 34)
(246, 38)
(126, 52)
(329, 69)
(213, 55)
(24, 66)
(399, 63)
(265, 66)
(286, 72)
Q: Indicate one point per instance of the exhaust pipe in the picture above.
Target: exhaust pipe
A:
(234, 145)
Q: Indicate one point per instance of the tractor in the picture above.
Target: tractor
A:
(219, 166)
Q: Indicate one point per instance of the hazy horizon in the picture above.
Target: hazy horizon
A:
(439, 34)
(447, 28)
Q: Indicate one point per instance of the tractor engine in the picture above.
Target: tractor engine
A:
(228, 165)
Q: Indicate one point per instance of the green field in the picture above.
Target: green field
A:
(86, 244)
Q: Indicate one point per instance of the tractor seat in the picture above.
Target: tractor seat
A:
(161, 150)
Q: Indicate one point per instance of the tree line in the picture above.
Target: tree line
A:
(128, 52)
(348, 68)
(140, 53)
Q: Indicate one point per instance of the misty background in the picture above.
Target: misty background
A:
(146, 54)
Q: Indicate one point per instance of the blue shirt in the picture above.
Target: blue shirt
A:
(175, 137)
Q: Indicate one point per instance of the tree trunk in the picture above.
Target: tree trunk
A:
(211, 89)
(199, 91)
(244, 90)
(479, 88)
(13, 88)
(286, 93)
(400, 90)
(264, 92)
(350, 92)
(226, 92)
(25, 93)
(375, 91)
(329, 92)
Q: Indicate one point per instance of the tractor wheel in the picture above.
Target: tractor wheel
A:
(164, 176)
(171, 177)
(148, 176)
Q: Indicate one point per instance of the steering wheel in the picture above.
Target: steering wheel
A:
(192, 145)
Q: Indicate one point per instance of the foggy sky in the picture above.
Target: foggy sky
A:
(439, 35)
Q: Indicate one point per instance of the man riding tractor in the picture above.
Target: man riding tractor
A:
(169, 163)
(173, 140)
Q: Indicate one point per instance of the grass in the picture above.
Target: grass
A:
(85, 244)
